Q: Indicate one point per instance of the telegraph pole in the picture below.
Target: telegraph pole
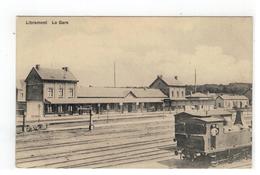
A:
(195, 82)
(114, 74)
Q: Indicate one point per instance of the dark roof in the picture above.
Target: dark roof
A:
(107, 92)
(55, 74)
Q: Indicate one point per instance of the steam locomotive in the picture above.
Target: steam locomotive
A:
(215, 135)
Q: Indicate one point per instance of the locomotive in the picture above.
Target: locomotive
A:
(215, 135)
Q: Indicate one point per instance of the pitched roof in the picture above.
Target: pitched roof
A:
(55, 74)
(106, 92)
(171, 81)
(233, 97)
(148, 93)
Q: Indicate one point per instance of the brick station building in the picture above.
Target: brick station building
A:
(56, 92)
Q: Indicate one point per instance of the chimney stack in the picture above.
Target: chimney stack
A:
(65, 68)
(37, 66)
(176, 77)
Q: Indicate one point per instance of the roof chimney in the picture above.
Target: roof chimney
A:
(37, 66)
(159, 76)
(65, 68)
(176, 77)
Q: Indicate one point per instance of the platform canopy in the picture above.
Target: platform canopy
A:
(102, 100)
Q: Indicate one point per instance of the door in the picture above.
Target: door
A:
(130, 107)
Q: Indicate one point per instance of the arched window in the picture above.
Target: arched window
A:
(178, 94)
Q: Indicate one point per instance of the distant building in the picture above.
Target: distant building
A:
(232, 101)
(174, 89)
(200, 101)
(56, 92)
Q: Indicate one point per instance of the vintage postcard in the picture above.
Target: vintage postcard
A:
(134, 92)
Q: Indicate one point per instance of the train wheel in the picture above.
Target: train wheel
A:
(213, 160)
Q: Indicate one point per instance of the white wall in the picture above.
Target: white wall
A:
(34, 109)
(175, 90)
(56, 86)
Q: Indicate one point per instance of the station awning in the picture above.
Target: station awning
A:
(102, 100)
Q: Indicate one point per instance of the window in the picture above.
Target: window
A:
(50, 92)
(49, 108)
(71, 93)
(178, 94)
(69, 108)
(172, 93)
(60, 92)
(60, 108)
(182, 93)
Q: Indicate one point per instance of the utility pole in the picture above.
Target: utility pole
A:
(114, 74)
(195, 82)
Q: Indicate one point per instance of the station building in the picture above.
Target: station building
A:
(177, 100)
(173, 89)
(56, 92)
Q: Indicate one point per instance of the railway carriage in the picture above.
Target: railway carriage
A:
(216, 135)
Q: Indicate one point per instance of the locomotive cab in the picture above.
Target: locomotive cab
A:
(205, 133)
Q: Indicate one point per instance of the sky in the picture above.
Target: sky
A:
(219, 48)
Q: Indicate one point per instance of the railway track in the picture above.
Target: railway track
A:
(106, 146)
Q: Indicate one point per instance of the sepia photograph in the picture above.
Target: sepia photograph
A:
(139, 92)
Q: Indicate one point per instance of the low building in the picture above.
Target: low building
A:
(232, 101)
(108, 99)
(200, 101)
(56, 92)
